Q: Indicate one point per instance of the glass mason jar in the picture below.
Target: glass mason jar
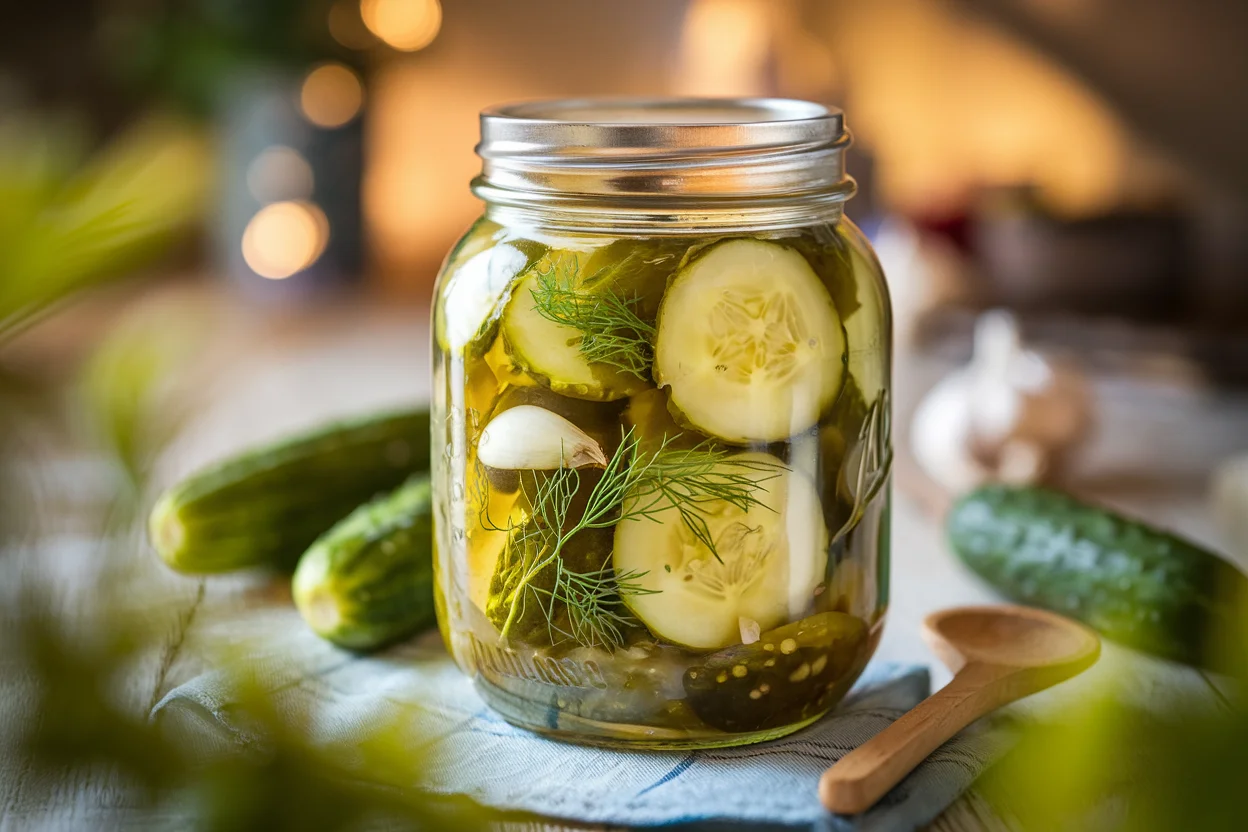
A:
(661, 370)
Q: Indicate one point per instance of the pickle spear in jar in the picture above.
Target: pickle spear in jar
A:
(750, 343)
(708, 564)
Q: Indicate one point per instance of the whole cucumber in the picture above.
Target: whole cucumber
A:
(1135, 584)
(368, 581)
(264, 507)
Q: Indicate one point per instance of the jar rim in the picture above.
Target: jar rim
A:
(662, 158)
(591, 128)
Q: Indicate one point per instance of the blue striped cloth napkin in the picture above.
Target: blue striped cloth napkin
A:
(467, 750)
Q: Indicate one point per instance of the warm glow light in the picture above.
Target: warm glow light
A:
(331, 96)
(278, 173)
(347, 27)
(285, 238)
(407, 25)
(949, 104)
(724, 48)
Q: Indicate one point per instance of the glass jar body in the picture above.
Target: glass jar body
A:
(662, 498)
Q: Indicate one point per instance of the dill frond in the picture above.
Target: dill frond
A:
(611, 331)
(636, 486)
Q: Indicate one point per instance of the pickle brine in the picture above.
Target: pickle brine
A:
(673, 533)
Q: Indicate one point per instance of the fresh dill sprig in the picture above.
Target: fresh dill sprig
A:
(636, 485)
(594, 605)
(611, 331)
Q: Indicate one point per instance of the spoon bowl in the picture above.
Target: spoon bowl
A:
(1009, 636)
(998, 654)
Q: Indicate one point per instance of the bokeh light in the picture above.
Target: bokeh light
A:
(406, 25)
(285, 238)
(725, 48)
(347, 27)
(331, 95)
(279, 173)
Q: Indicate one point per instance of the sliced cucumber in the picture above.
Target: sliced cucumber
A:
(476, 287)
(550, 352)
(772, 558)
(750, 343)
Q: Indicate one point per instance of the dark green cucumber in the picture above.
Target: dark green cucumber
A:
(368, 581)
(264, 507)
(1133, 583)
(790, 674)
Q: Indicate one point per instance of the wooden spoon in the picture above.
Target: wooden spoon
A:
(998, 654)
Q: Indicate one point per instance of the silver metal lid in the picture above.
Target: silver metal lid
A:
(664, 163)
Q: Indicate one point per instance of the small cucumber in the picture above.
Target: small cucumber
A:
(368, 581)
(784, 677)
(1135, 584)
(264, 507)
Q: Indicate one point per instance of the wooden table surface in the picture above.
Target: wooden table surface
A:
(1152, 455)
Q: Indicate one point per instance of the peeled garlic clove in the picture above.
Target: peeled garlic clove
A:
(533, 438)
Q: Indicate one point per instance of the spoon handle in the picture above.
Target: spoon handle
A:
(855, 782)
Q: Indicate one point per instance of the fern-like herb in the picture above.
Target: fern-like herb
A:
(636, 486)
(611, 331)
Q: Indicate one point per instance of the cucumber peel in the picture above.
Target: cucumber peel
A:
(368, 581)
(265, 506)
(1133, 583)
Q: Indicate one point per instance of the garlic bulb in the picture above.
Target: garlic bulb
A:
(1230, 504)
(533, 438)
(1011, 415)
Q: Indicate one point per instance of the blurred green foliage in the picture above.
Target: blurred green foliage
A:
(1110, 767)
(1105, 764)
(279, 781)
(135, 390)
(183, 51)
(67, 223)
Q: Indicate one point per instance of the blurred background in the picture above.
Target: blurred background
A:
(223, 219)
(1076, 158)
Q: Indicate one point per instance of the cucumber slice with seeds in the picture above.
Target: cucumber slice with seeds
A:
(772, 558)
(750, 343)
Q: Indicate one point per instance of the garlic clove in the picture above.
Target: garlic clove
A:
(750, 629)
(528, 437)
